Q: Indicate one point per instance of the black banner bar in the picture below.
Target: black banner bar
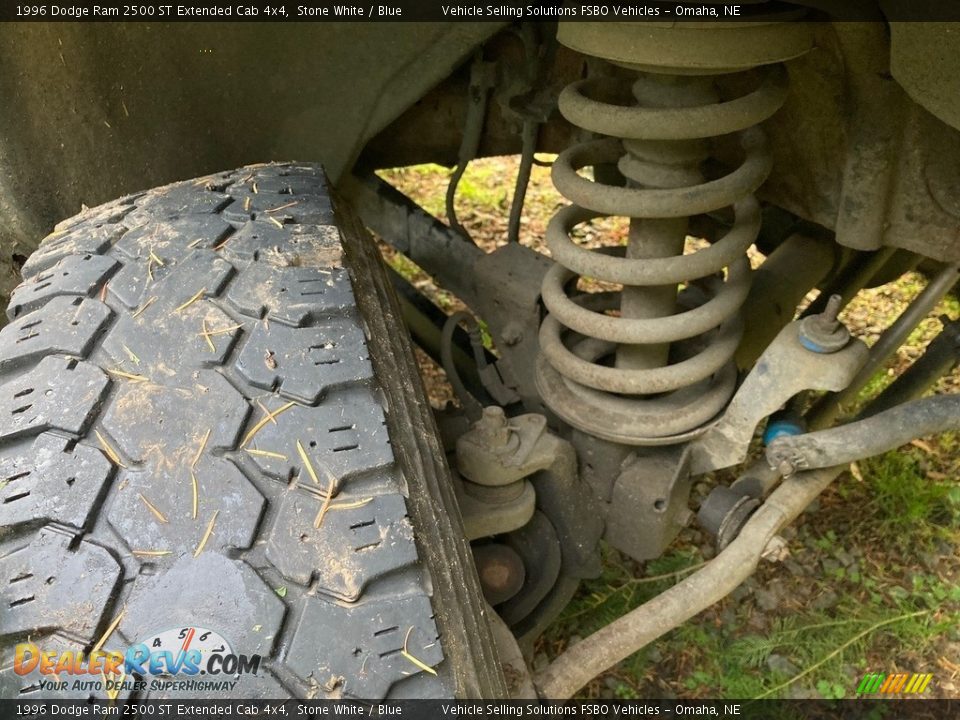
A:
(333, 11)
(499, 710)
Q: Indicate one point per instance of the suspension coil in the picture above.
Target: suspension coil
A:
(644, 364)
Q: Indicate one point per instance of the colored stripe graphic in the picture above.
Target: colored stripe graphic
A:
(871, 683)
(914, 683)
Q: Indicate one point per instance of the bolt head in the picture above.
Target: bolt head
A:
(493, 426)
(775, 550)
(823, 336)
(785, 468)
(512, 334)
(493, 416)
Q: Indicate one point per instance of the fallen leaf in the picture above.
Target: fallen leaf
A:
(855, 471)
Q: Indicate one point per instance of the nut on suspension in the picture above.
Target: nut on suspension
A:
(824, 333)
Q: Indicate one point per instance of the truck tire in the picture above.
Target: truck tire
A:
(188, 373)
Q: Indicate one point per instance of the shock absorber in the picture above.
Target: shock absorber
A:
(648, 364)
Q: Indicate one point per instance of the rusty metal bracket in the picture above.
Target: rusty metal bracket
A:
(785, 369)
(497, 452)
(507, 283)
(649, 502)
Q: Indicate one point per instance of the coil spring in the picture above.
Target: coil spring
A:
(652, 375)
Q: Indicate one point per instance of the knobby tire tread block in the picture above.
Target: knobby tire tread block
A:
(172, 358)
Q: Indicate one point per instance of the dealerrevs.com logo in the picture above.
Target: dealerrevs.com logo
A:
(186, 659)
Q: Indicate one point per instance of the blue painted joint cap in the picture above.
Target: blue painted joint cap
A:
(780, 427)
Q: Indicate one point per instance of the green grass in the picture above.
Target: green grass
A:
(904, 506)
(829, 650)
(824, 649)
(430, 175)
(482, 189)
(415, 275)
(405, 267)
